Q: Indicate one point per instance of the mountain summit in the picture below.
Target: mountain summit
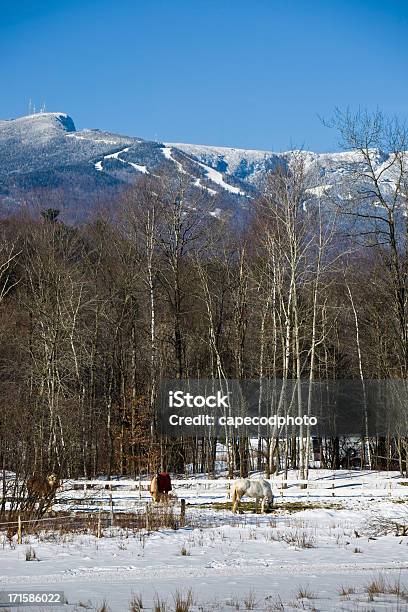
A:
(44, 154)
(36, 128)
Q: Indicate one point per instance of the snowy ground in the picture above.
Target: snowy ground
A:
(329, 550)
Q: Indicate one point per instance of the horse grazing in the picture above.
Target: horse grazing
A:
(160, 486)
(41, 487)
(259, 489)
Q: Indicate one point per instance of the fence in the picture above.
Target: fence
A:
(114, 502)
(141, 486)
(149, 518)
(131, 495)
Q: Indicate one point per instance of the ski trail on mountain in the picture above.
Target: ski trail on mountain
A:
(211, 174)
(99, 164)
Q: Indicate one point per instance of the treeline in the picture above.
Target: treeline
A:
(92, 318)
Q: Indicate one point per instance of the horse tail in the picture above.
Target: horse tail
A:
(234, 493)
(153, 485)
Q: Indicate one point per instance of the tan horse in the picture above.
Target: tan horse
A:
(157, 495)
(154, 490)
(41, 487)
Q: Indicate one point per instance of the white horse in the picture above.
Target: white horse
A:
(259, 489)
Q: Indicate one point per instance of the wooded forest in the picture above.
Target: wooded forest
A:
(92, 317)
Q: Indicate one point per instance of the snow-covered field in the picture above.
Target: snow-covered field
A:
(314, 551)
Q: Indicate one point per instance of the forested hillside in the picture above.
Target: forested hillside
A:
(94, 316)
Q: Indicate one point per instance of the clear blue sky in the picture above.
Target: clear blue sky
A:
(254, 73)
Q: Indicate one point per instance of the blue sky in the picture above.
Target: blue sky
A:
(254, 74)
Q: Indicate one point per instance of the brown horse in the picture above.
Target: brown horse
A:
(41, 487)
(160, 486)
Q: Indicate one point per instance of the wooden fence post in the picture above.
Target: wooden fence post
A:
(19, 537)
(147, 517)
(111, 509)
(183, 513)
(99, 530)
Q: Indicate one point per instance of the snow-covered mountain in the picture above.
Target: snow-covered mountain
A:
(45, 154)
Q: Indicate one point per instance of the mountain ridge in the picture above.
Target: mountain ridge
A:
(45, 151)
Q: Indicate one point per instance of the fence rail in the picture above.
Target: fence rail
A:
(129, 495)
(144, 485)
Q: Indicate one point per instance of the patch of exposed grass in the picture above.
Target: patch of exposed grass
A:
(136, 603)
(304, 592)
(30, 554)
(159, 604)
(346, 591)
(298, 506)
(381, 586)
(245, 506)
(250, 602)
(275, 606)
(183, 603)
(296, 537)
(279, 505)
